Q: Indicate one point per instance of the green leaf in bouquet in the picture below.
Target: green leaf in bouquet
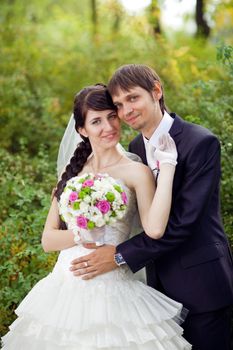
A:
(118, 188)
(70, 188)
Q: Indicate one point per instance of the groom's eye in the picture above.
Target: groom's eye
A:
(132, 98)
(113, 116)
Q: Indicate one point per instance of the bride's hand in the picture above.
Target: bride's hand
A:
(166, 152)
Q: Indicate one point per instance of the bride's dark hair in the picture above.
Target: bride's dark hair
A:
(96, 98)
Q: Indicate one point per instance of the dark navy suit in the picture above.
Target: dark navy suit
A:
(192, 262)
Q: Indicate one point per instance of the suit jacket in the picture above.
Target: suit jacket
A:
(192, 262)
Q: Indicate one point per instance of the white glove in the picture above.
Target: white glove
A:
(166, 151)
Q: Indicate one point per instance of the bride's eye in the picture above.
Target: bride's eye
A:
(95, 122)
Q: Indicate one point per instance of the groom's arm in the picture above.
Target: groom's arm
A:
(201, 180)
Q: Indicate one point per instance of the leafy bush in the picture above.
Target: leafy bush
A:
(210, 103)
(26, 184)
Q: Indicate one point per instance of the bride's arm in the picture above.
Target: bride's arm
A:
(154, 205)
(53, 238)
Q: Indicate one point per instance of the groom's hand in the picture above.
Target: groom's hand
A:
(96, 263)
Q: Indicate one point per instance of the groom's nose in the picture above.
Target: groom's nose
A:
(127, 109)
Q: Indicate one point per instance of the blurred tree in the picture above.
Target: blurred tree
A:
(203, 28)
(117, 11)
(154, 16)
(94, 16)
(222, 19)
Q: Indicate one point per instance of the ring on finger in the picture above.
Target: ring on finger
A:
(86, 264)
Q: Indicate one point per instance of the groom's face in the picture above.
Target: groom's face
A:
(138, 108)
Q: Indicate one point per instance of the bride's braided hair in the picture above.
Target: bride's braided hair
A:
(96, 98)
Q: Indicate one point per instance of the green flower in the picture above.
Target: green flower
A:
(110, 197)
(90, 225)
(86, 190)
(81, 194)
(76, 205)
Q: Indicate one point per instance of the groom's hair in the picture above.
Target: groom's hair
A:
(131, 75)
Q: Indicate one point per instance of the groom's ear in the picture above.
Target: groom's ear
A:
(157, 92)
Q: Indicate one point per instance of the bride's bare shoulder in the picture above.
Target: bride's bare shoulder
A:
(136, 169)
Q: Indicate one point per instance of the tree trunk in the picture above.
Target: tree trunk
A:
(94, 16)
(202, 26)
(155, 17)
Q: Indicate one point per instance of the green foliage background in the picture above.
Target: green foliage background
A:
(50, 50)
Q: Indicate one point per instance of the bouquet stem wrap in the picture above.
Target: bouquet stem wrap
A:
(95, 235)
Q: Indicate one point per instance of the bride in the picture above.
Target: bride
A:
(113, 310)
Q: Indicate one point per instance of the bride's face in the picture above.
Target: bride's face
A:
(102, 128)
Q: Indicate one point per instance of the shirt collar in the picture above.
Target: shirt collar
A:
(163, 128)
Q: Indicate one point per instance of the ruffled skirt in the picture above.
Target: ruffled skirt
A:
(109, 312)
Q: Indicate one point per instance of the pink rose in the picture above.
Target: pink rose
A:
(73, 196)
(82, 222)
(88, 183)
(124, 197)
(103, 206)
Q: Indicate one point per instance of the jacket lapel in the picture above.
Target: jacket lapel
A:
(141, 151)
(176, 127)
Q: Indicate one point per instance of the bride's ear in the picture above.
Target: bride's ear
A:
(82, 131)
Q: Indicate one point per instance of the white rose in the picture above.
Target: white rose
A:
(120, 214)
(87, 199)
(84, 207)
(97, 185)
(94, 211)
(99, 221)
(118, 196)
(95, 195)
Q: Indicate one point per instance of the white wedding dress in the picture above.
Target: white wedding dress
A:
(113, 311)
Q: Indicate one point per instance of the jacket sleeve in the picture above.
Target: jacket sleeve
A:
(200, 183)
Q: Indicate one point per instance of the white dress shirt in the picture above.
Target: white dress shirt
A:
(151, 144)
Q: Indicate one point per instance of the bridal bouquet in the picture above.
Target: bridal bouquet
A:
(92, 201)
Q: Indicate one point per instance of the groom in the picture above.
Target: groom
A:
(192, 262)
